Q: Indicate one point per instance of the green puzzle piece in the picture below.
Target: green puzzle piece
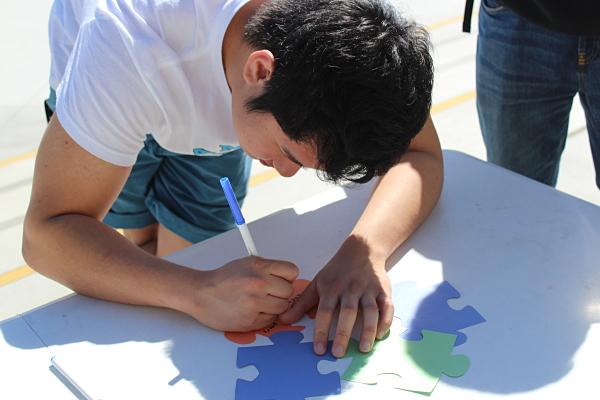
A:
(418, 365)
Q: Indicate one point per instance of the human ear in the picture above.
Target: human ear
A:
(259, 67)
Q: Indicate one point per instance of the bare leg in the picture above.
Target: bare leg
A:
(144, 238)
(169, 242)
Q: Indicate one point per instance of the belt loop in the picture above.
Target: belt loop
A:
(582, 62)
(468, 15)
(582, 52)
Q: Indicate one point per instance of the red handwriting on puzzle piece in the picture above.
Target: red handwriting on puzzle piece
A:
(250, 337)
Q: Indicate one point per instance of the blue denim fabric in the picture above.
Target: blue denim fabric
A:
(181, 192)
(527, 77)
(51, 100)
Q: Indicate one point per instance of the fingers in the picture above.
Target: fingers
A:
(346, 320)
(377, 316)
(307, 300)
(261, 321)
(370, 323)
(273, 305)
(270, 307)
(386, 314)
(283, 269)
(325, 312)
(279, 287)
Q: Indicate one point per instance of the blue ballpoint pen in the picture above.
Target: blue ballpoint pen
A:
(238, 217)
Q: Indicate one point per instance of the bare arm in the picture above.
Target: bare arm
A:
(404, 197)
(356, 278)
(65, 240)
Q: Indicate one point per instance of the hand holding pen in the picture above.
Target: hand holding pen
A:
(244, 294)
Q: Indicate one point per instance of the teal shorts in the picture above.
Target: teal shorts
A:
(180, 192)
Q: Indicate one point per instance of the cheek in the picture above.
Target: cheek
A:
(241, 119)
(285, 167)
(242, 130)
(237, 121)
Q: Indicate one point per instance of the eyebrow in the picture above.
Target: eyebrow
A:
(291, 157)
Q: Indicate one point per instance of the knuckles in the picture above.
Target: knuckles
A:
(342, 335)
(356, 288)
(293, 268)
(370, 308)
(387, 303)
(254, 284)
(257, 264)
(348, 308)
(325, 311)
(369, 330)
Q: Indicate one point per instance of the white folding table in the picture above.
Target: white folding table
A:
(524, 255)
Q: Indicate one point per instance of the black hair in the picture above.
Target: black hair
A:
(352, 77)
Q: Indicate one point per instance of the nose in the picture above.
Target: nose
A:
(286, 168)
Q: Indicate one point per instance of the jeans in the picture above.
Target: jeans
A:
(527, 77)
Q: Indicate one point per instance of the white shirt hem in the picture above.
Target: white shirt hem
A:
(91, 146)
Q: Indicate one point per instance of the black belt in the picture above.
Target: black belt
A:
(468, 15)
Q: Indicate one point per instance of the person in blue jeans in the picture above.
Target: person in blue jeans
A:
(533, 57)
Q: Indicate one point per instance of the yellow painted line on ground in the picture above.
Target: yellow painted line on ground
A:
(446, 22)
(15, 275)
(16, 159)
(262, 177)
(453, 102)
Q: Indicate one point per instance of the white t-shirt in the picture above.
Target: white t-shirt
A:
(123, 69)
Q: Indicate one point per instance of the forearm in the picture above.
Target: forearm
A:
(93, 259)
(401, 201)
(356, 278)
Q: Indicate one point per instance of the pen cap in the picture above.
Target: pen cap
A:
(232, 200)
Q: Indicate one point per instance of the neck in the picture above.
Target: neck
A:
(235, 51)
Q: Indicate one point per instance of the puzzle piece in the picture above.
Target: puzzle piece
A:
(250, 337)
(287, 370)
(428, 309)
(418, 365)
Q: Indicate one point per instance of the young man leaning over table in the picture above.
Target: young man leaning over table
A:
(339, 86)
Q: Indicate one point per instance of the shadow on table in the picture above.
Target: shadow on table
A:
(525, 267)
(526, 257)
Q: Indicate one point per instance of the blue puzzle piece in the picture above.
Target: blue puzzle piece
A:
(286, 370)
(427, 308)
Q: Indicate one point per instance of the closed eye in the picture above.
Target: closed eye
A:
(291, 157)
